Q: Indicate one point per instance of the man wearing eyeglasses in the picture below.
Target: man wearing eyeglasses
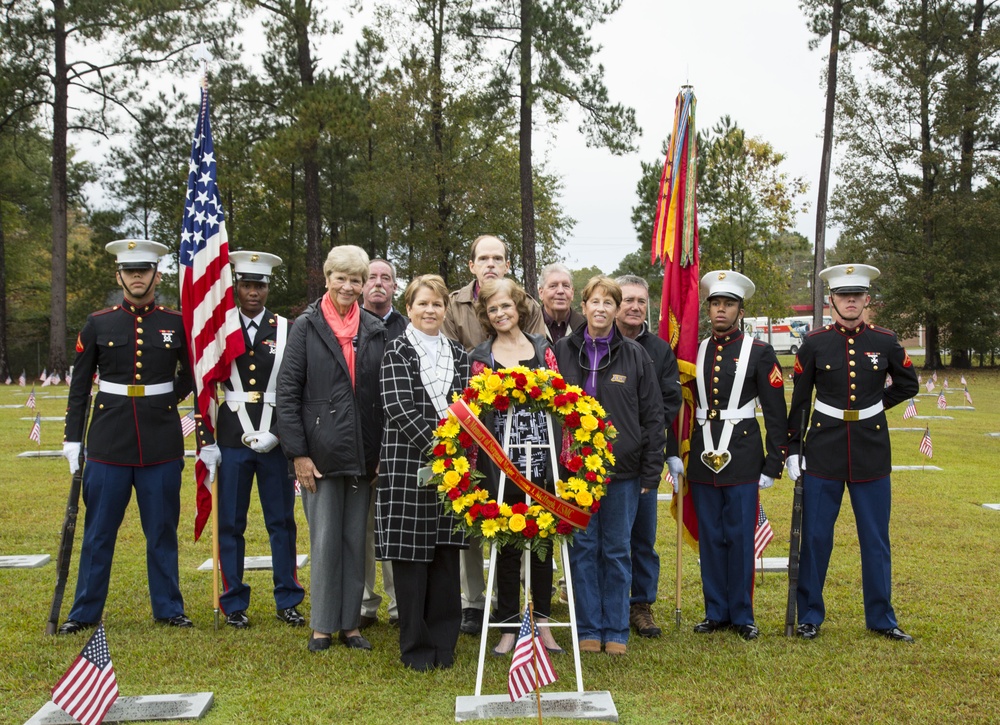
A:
(727, 466)
(487, 260)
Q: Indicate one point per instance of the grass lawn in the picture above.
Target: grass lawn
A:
(946, 552)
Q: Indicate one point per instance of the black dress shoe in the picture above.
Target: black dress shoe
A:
(291, 616)
(72, 626)
(808, 631)
(180, 620)
(355, 642)
(238, 620)
(894, 633)
(393, 621)
(318, 644)
(748, 632)
(707, 626)
(472, 620)
(364, 621)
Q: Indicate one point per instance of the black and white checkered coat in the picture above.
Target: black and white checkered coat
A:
(409, 518)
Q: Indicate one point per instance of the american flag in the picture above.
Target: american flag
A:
(44, 376)
(942, 402)
(30, 402)
(945, 383)
(207, 304)
(89, 688)
(46, 380)
(762, 535)
(919, 379)
(934, 376)
(925, 444)
(963, 381)
(54, 379)
(36, 429)
(911, 410)
(22, 379)
(187, 424)
(529, 655)
(929, 385)
(968, 398)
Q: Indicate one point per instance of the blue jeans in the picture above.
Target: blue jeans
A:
(871, 501)
(645, 560)
(600, 561)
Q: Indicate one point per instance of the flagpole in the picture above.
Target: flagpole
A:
(534, 654)
(215, 548)
(680, 547)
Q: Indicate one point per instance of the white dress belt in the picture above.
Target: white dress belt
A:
(747, 411)
(135, 391)
(250, 396)
(849, 415)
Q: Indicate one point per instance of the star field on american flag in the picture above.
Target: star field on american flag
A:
(202, 210)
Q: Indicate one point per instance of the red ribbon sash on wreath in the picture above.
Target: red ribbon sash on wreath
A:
(484, 439)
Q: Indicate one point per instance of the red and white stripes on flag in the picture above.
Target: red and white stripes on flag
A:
(36, 429)
(89, 688)
(968, 398)
(911, 410)
(942, 402)
(925, 444)
(188, 424)
(22, 379)
(30, 402)
(963, 381)
(530, 656)
(929, 385)
(210, 316)
(762, 534)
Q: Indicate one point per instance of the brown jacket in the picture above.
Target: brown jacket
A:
(462, 325)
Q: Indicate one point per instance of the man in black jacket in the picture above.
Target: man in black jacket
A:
(134, 440)
(847, 363)
(631, 322)
(727, 465)
(248, 447)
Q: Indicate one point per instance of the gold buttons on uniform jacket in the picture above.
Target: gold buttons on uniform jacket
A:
(138, 376)
(853, 374)
(138, 330)
(138, 365)
(715, 380)
(138, 353)
(851, 363)
(252, 381)
(719, 348)
(139, 320)
(111, 343)
(251, 353)
(853, 398)
(718, 358)
(717, 368)
(138, 342)
(850, 341)
(851, 351)
(827, 367)
(853, 386)
(252, 366)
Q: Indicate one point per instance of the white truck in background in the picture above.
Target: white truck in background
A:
(785, 335)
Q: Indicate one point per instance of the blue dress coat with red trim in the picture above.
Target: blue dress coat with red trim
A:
(764, 380)
(130, 345)
(848, 370)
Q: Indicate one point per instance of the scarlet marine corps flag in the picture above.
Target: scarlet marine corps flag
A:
(675, 245)
(207, 305)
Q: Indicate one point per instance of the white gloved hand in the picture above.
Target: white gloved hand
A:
(71, 452)
(765, 482)
(211, 456)
(795, 465)
(676, 467)
(263, 442)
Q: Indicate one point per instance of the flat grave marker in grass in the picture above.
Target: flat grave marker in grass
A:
(933, 417)
(26, 561)
(48, 419)
(992, 506)
(257, 562)
(891, 430)
(142, 708)
(40, 454)
(596, 705)
(916, 468)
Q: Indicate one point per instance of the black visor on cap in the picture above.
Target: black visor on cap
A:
(252, 277)
(849, 290)
(124, 266)
(727, 295)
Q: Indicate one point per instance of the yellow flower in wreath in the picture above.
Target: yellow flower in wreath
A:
(588, 422)
(592, 462)
(451, 479)
(490, 528)
(583, 498)
(516, 523)
(438, 467)
(461, 464)
(582, 435)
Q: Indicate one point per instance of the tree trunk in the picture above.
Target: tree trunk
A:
(315, 284)
(4, 356)
(524, 157)
(819, 259)
(57, 307)
(437, 132)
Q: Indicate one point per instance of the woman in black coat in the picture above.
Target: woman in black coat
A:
(330, 425)
(420, 372)
(501, 305)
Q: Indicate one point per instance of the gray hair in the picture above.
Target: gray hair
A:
(386, 262)
(550, 269)
(633, 279)
(346, 259)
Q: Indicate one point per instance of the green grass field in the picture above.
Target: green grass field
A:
(946, 555)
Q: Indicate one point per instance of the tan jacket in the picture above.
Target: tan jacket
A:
(462, 325)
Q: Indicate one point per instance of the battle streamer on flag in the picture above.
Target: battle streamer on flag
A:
(89, 688)
(530, 666)
(207, 304)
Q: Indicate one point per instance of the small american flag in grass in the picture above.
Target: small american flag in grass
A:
(762, 533)
(530, 667)
(89, 688)
(926, 447)
(942, 402)
(911, 410)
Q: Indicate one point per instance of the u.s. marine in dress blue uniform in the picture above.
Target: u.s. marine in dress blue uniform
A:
(134, 441)
(847, 443)
(727, 464)
(246, 435)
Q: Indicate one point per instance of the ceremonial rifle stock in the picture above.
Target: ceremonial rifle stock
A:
(68, 533)
(795, 540)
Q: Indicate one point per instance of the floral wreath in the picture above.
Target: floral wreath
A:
(586, 455)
